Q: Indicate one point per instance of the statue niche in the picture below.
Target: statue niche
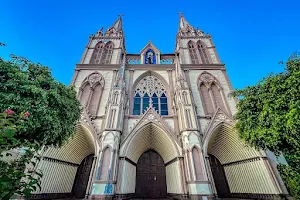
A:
(150, 57)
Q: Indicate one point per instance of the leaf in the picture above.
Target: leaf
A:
(27, 192)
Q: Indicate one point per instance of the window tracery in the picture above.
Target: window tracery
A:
(199, 52)
(102, 53)
(91, 91)
(193, 52)
(150, 90)
(211, 93)
(203, 53)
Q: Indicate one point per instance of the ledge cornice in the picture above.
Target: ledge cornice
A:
(128, 66)
(152, 67)
(203, 66)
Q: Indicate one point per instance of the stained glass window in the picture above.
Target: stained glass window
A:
(150, 90)
(146, 99)
(150, 57)
(137, 105)
(155, 102)
(163, 105)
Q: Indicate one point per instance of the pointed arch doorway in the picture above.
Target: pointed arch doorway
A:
(151, 176)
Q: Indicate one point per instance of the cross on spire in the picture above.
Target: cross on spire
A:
(120, 15)
(180, 13)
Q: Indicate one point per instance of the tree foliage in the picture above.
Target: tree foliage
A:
(14, 179)
(269, 112)
(26, 86)
(268, 116)
(291, 177)
(29, 89)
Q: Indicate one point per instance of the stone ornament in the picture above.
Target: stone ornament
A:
(150, 85)
(207, 78)
(221, 117)
(94, 78)
(151, 117)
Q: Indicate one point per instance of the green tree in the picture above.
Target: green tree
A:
(54, 111)
(13, 178)
(26, 86)
(268, 117)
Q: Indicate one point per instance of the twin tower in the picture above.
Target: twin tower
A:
(156, 125)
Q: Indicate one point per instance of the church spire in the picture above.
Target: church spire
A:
(183, 23)
(116, 29)
(185, 29)
(118, 24)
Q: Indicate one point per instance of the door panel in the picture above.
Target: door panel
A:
(219, 177)
(82, 177)
(151, 176)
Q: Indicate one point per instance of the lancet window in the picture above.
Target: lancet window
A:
(197, 164)
(211, 94)
(91, 92)
(103, 170)
(203, 53)
(193, 52)
(150, 91)
(199, 53)
(102, 53)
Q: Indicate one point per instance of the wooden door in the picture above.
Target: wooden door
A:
(82, 177)
(151, 176)
(219, 177)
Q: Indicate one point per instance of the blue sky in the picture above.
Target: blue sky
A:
(250, 36)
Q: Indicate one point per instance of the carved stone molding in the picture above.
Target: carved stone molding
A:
(222, 117)
(150, 85)
(206, 77)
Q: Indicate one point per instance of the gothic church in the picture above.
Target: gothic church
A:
(156, 125)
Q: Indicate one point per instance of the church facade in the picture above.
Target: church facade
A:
(156, 125)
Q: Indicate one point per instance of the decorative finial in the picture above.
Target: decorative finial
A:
(120, 15)
(150, 42)
(180, 14)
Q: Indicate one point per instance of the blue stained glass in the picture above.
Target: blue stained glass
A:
(137, 105)
(163, 100)
(155, 102)
(164, 107)
(150, 57)
(146, 99)
(164, 112)
(154, 98)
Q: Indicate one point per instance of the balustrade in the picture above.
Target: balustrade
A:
(136, 59)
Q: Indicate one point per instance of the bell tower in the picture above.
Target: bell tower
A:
(190, 40)
(189, 126)
(108, 45)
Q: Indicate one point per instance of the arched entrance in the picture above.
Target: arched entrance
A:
(219, 177)
(151, 176)
(233, 165)
(82, 177)
(153, 136)
(67, 170)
